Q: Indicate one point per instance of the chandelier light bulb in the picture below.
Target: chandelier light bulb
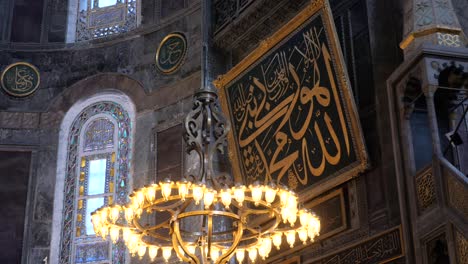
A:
(129, 214)
(252, 254)
(303, 235)
(209, 197)
(133, 249)
(304, 217)
(292, 200)
(226, 197)
(277, 239)
(198, 190)
(104, 214)
(270, 193)
(239, 193)
(167, 252)
(256, 191)
(141, 250)
(133, 241)
(140, 199)
(284, 195)
(264, 247)
(114, 233)
(96, 219)
(285, 211)
(104, 230)
(183, 188)
(166, 188)
(292, 217)
(126, 233)
(240, 255)
(115, 213)
(152, 252)
(150, 193)
(291, 237)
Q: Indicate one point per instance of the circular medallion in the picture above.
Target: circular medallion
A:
(20, 79)
(171, 53)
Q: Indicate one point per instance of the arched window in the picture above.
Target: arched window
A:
(90, 19)
(96, 173)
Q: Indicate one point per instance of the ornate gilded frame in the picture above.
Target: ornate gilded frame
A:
(179, 63)
(318, 7)
(16, 94)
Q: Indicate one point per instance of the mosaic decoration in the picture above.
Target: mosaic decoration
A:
(20, 79)
(97, 22)
(171, 53)
(425, 189)
(381, 248)
(122, 158)
(292, 112)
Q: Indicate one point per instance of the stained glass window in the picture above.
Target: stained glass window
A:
(101, 18)
(97, 174)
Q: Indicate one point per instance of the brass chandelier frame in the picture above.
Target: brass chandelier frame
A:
(210, 217)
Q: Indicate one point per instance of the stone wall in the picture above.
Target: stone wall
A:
(73, 72)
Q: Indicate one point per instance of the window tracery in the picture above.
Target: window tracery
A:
(97, 173)
(101, 18)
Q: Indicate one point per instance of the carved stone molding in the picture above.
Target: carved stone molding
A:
(425, 190)
(457, 195)
(461, 247)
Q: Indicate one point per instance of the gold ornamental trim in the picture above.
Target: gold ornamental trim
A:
(429, 31)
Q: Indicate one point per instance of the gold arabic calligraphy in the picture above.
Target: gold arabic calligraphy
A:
(22, 80)
(291, 104)
(172, 53)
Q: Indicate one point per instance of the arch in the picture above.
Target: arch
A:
(90, 86)
(113, 100)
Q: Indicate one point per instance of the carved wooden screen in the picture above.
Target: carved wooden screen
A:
(293, 116)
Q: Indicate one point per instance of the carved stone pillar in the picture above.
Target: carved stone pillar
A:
(430, 21)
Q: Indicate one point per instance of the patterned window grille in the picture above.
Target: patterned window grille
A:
(101, 18)
(97, 174)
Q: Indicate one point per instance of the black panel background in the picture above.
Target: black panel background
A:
(248, 157)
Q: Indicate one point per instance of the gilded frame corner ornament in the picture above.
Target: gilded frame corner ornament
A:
(181, 58)
(32, 88)
(320, 11)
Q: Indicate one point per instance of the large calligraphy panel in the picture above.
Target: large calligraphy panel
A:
(292, 112)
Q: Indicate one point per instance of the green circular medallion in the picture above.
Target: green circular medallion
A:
(20, 79)
(171, 53)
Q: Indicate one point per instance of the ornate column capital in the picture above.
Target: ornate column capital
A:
(431, 21)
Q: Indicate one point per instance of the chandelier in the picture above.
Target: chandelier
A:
(210, 219)
(207, 218)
